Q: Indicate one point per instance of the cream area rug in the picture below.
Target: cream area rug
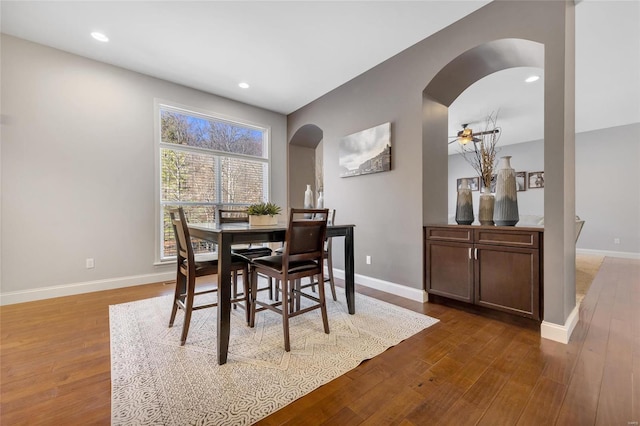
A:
(155, 381)
(587, 267)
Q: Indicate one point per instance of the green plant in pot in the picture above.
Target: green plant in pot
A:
(261, 214)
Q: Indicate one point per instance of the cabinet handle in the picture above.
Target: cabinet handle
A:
(469, 252)
(475, 253)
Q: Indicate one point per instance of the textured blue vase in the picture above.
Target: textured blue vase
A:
(505, 210)
(464, 205)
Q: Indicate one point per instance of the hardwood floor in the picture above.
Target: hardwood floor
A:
(467, 369)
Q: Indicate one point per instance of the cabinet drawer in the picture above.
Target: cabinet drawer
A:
(460, 235)
(513, 238)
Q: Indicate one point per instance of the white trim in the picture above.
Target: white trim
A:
(160, 105)
(560, 333)
(416, 294)
(623, 254)
(548, 330)
(12, 297)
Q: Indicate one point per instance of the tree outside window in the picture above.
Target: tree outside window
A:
(208, 162)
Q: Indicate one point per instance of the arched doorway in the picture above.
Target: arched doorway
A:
(440, 93)
(304, 163)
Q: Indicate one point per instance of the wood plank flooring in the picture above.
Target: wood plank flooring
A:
(467, 369)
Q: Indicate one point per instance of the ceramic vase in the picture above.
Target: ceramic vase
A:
(464, 205)
(505, 211)
(320, 203)
(485, 211)
(308, 200)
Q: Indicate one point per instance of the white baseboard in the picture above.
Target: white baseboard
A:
(416, 294)
(551, 331)
(560, 333)
(12, 297)
(623, 254)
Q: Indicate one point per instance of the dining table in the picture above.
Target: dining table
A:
(225, 235)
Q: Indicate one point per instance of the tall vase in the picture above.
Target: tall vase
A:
(464, 205)
(505, 212)
(308, 200)
(320, 203)
(485, 211)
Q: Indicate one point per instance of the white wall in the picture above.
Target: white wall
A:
(607, 194)
(78, 170)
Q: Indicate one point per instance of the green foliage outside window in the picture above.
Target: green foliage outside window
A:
(208, 162)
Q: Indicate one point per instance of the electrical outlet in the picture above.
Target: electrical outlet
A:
(368, 260)
(90, 263)
(616, 241)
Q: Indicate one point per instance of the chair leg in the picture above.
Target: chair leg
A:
(253, 294)
(180, 287)
(323, 306)
(285, 313)
(234, 290)
(331, 282)
(295, 305)
(246, 279)
(188, 307)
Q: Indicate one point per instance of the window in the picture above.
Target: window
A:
(206, 161)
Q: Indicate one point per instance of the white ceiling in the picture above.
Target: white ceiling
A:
(292, 52)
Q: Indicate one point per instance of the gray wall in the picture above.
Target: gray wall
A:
(78, 172)
(388, 208)
(607, 163)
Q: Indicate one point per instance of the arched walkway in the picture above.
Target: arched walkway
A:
(304, 163)
(445, 87)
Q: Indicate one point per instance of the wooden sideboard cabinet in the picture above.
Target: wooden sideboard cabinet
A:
(495, 267)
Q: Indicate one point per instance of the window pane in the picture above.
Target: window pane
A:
(204, 164)
(182, 129)
(242, 181)
(188, 176)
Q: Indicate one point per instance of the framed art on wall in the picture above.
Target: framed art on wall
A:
(521, 181)
(536, 180)
(473, 183)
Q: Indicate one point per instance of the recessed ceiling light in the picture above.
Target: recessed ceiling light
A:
(243, 85)
(532, 78)
(100, 37)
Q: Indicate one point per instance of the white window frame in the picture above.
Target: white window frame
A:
(160, 105)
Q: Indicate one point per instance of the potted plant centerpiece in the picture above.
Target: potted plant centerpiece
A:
(263, 214)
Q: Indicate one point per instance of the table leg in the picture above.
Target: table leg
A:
(349, 271)
(224, 296)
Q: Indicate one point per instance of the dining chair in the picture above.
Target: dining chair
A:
(303, 256)
(242, 216)
(250, 250)
(190, 266)
(327, 256)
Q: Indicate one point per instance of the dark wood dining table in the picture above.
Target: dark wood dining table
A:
(227, 234)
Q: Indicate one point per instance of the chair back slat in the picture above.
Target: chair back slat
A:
(181, 231)
(233, 216)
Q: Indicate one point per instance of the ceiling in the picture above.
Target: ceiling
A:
(292, 52)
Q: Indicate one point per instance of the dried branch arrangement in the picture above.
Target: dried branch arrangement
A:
(482, 155)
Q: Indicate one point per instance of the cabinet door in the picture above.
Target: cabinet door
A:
(449, 270)
(508, 279)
